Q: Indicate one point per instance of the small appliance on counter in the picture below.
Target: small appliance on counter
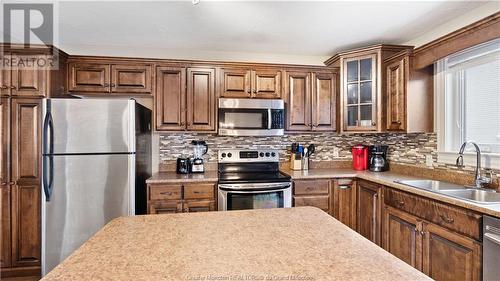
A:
(378, 158)
(183, 165)
(360, 157)
(200, 148)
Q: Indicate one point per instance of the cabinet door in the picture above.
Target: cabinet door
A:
(130, 78)
(201, 105)
(448, 256)
(344, 206)
(323, 102)
(29, 81)
(235, 83)
(396, 75)
(266, 84)
(401, 236)
(26, 136)
(191, 206)
(319, 201)
(5, 83)
(368, 211)
(4, 183)
(165, 207)
(360, 93)
(298, 101)
(89, 77)
(170, 98)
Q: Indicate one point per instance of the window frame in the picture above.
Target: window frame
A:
(488, 160)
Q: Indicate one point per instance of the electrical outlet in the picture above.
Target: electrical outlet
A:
(428, 160)
(336, 152)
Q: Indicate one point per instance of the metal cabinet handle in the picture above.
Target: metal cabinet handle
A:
(166, 193)
(344, 186)
(399, 122)
(196, 192)
(422, 233)
(3, 183)
(400, 203)
(4, 87)
(13, 87)
(374, 124)
(106, 85)
(112, 84)
(446, 219)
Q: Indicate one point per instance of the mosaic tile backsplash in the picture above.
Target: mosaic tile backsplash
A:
(403, 148)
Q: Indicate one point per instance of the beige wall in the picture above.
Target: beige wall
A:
(457, 23)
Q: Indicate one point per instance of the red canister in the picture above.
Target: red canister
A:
(360, 157)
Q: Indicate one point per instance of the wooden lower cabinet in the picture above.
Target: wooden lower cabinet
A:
(181, 198)
(369, 210)
(402, 236)
(448, 256)
(315, 193)
(344, 201)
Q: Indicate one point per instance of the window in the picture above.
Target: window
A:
(467, 88)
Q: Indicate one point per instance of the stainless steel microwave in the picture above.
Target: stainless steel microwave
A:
(251, 117)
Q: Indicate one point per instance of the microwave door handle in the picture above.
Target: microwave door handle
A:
(269, 119)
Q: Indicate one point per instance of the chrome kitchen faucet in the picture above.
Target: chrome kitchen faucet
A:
(480, 180)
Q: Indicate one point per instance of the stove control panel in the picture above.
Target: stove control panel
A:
(248, 155)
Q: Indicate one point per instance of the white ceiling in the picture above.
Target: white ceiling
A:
(298, 32)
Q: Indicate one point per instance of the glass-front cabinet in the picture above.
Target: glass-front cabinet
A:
(360, 93)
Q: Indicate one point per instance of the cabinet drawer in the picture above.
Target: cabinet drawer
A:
(165, 192)
(309, 187)
(199, 191)
(322, 202)
(454, 218)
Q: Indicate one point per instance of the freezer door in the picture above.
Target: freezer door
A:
(88, 191)
(75, 126)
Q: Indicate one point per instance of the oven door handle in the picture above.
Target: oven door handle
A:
(254, 188)
(269, 119)
(252, 191)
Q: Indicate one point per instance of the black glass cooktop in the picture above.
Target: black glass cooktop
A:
(253, 177)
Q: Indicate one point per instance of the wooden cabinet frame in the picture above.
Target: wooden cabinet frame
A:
(193, 197)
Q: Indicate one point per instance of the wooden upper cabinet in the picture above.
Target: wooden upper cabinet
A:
(324, 101)
(344, 201)
(89, 77)
(201, 98)
(359, 93)
(4, 141)
(131, 78)
(235, 83)
(396, 80)
(5, 81)
(170, 98)
(448, 256)
(402, 236)
(369, 210)
(266, 84)
(30, 81)
(26, 147)
(298, 101)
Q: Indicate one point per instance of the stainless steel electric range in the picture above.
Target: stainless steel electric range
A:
(250, 179)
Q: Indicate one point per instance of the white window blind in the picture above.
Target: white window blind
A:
(471, 98)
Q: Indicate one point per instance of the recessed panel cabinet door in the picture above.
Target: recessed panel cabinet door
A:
(266, 84)
(448, 256)
(191, 206)
(91, 78)
(396, 94)
(344, 206)
(26, 142)
(235, 83)
(201, 99)
(4, 184)
(29, 81)
(170, 98)
(323, 102)
(401, 236)
(298, 101)
(368, 217)
(131, 79)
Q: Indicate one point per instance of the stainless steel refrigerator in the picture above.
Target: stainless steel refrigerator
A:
(96, 154)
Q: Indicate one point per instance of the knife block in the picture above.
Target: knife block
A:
(295, 164)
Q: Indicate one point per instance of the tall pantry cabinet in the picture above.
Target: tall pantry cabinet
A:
(21, 94)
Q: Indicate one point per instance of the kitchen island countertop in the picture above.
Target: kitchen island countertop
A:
(303, 243)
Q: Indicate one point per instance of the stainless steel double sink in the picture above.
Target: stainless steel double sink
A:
(476, 195)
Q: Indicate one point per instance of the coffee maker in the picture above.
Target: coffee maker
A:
(200, 148)
(378, 158)
(360, 157)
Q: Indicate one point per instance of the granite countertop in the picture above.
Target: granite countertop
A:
(302, 242)
(173, 177)
(387, 179)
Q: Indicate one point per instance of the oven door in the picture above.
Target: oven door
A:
(256, 196)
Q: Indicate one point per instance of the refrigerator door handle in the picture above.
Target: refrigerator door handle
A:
(48, 175)
(48, 134)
